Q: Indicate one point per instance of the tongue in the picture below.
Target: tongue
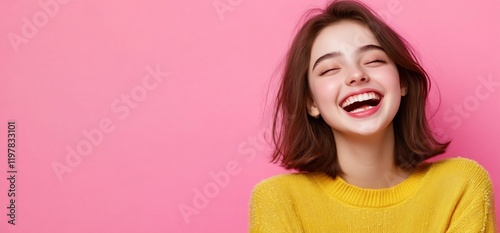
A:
(362, 108)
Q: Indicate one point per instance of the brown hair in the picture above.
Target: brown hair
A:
(307, 144)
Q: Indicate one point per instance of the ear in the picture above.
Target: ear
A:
(404, 90)
(312, 109)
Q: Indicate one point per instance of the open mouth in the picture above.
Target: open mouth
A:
(361, 102)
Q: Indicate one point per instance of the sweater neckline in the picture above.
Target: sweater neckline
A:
(339, 189)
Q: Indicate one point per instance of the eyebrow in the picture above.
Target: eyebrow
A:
(336, 53)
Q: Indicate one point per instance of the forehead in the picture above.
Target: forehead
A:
(345, 37)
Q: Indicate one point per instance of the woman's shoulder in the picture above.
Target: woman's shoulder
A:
(459, 163)
(460, 169)
(285, 179)
(284, 183)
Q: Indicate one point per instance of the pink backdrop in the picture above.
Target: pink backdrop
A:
(149, 116)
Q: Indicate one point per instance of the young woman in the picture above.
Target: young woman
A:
(350, 117)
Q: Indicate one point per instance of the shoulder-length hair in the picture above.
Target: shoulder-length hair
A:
(307, 144)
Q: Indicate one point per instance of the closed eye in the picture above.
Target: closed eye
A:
(376, 61)
(326, 71)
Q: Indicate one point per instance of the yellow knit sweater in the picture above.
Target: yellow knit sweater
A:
(451, 195)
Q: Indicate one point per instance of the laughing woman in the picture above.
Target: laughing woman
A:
(350, 117)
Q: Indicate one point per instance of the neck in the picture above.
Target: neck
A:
(368, 161)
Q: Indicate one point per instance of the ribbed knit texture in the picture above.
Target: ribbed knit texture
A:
(452, 195)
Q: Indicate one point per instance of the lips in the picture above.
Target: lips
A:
(361, 101)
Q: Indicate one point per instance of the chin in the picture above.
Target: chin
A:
(366, 129)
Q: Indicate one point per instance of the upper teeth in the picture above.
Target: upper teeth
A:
(360, 97)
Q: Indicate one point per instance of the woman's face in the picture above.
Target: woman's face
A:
(354, 85)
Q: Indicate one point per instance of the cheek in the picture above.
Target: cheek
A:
(389, 77)
(325, 92)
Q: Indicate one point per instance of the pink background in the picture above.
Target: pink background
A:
(193, 141)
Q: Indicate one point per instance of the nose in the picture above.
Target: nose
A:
(356, 77)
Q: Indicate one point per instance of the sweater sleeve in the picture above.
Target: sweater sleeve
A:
(269, 211)
(475, 211)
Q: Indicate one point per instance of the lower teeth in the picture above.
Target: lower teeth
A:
(361, 109)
